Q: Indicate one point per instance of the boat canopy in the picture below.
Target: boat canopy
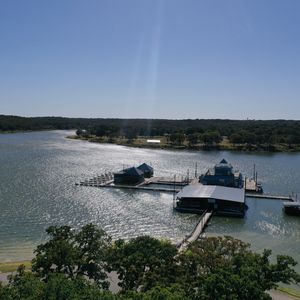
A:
(213, 192)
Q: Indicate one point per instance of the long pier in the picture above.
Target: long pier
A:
(195, 234)
(142, 187)
(271, 197)
(156, 184)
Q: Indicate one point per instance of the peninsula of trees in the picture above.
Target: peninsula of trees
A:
(249, 135)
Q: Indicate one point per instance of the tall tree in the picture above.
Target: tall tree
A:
(74, 254)
(143, 262)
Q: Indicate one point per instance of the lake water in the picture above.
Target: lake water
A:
(38, 172)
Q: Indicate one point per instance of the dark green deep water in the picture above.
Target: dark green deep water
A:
(38, 172)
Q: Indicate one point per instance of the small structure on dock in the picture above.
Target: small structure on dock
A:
(132, 176)
(252, 186)
(221, 200)
(292, 207)
(222, 175)
(146, 169)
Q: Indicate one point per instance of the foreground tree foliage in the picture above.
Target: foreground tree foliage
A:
(74, 265)
(143, 263)
(74, 254)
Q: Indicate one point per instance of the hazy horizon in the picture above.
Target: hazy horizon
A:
(137, 118)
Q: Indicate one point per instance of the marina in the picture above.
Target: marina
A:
(222, 177)
(173, 186)
(219, 192)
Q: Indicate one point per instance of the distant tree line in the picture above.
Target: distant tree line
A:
(75, 265)
(177, 131)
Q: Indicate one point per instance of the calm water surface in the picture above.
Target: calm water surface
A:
(38, 172)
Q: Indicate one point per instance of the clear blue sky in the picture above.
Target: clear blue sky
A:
(233, 59)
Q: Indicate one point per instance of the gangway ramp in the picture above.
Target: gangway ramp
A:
(205, 217)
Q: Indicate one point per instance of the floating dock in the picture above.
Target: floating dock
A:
(196, 233)
(168, 185)
(99, 180)
(271, 197)
(156, 184)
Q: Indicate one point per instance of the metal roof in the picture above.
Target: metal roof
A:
(213, 192)
(145, 167)
(131, 171)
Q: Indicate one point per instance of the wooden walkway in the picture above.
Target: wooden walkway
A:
(177, 181)
(205, 217)
(271, 197)
(141, 188)
(161, 184)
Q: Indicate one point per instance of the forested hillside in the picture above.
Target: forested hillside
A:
(193, 131)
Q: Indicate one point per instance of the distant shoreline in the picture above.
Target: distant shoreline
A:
(141, 142)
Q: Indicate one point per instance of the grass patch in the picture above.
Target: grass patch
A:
(289, 291)
(7, 267)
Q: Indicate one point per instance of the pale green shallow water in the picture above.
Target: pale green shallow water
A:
(38, 172)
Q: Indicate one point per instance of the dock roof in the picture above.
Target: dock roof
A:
(145, 167)
(213, 192)
(223, 164)
(131, 171)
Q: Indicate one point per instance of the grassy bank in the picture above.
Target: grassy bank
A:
(141, 142)
(8, 267)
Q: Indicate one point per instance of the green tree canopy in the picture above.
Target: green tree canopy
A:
(74, 254)
(143, 262)
(73, 265)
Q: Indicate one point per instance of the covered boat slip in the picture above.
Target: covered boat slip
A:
(219, 199)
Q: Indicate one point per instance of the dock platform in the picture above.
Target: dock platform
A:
(169, 185)
(157, 184)
(271, 197)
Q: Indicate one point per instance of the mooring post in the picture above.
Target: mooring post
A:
(256, 179)
(174, 191)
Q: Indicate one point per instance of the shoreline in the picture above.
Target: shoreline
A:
(142, 143)
(223, 146)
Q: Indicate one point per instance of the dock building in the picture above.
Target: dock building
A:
(198, 198)
(146, 169)
(222, 175)
(132, 176)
